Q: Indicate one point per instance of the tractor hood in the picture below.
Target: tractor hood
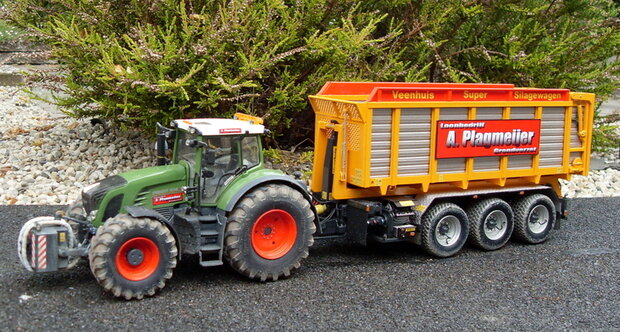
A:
(153, 187)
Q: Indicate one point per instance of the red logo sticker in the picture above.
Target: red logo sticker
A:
(167, 198)
(230, 131)
(486, 138)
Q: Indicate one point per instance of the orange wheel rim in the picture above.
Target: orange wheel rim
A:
(274, 234)
(137, 259)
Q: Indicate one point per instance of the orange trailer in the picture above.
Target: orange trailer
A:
(423, 145)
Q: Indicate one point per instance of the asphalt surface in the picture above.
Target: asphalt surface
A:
(571, 282)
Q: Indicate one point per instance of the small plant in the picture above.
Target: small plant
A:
(273, 155)
(306, 157)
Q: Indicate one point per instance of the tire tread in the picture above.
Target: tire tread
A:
(522, 209)
(233, 251)
(101, 246)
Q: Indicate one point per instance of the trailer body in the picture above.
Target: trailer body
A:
(398, 139)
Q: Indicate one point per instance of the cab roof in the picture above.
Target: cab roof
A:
(219, 127)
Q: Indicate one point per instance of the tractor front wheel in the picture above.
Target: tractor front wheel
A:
(269, 232)
(132, 257)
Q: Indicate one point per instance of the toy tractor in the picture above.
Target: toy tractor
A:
(214, 198)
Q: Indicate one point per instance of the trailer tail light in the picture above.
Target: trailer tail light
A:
(405, 231)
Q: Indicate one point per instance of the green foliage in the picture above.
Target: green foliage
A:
(306, 175)
(273, 155)
(547, 44)
(306, 157)
(8, 32)
(137, 63)
(606, 133)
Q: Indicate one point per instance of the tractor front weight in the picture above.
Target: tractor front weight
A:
(48, 244)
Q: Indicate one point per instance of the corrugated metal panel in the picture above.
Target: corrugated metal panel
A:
(381, 143)
(489, 113)
(519, 162)
(452, 165)
(522, 112)
(486, 164)
(414, 141)
(552, 137)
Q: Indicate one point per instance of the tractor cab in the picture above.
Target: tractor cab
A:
(216, 151)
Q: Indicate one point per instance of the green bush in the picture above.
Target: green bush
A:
(138, 62)
(607, 132)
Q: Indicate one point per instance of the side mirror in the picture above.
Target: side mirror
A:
(168, 132)
(192, 143)
(161, 146)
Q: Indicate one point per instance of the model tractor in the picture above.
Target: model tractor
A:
(213, 199)
(437, 165)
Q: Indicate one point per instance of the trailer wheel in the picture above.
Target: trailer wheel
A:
(269, 232)
(490, 224)
(132, 257)
(534, 218)
(444, 229)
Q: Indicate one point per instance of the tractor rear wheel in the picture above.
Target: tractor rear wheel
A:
(269, 232)
(132, 257)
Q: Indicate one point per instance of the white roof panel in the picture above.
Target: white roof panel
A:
(217, 127)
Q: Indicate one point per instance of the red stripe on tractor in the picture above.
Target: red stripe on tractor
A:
(42, 252)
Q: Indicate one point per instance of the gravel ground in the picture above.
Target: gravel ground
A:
(568, 283)
(46, 157)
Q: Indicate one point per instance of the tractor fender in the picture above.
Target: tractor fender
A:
(283, 179)
(142, 212)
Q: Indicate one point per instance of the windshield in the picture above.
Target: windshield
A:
(223, 167)
(232, 156)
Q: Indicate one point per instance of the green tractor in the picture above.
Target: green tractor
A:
(214, 198)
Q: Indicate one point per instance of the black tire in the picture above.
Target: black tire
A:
(444, 229)
(243, 232)
(490, 224)
(75, 210)
(534, 218)
(132, 257)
